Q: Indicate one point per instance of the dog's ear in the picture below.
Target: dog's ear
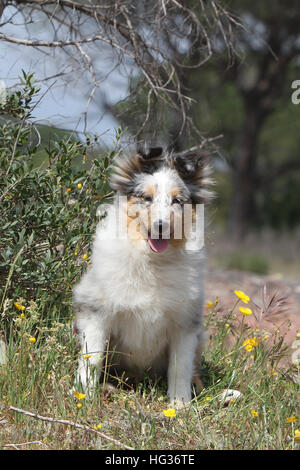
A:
(187, 162)
(194, 168)
(125, 168)
(153, 152)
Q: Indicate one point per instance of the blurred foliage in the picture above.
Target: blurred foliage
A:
(246, 262)
(48, 211)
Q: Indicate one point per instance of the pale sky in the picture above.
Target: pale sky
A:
(65, 102)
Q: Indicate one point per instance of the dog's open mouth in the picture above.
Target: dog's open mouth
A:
(158, 244)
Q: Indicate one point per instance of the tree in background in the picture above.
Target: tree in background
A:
(271, 46)
(144, 39)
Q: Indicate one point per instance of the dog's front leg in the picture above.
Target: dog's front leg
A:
(181, 364)
(92, 332)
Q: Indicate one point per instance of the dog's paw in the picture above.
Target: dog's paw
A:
(108, 389)
(178, 404)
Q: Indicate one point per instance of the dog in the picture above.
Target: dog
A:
(142, 296)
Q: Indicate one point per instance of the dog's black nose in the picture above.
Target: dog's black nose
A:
(160, 226)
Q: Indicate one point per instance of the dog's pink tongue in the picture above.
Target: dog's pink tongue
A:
(158, 245)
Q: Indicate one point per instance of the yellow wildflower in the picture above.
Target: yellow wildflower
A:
(32, 339)
(254, 413)
(76, 253)
(298, 335)
(22, 315)
(273, 372)
(19, 306)
(292, 419)
(250, 343)
(79, 396)
(68, 190)
(170, 413)
(227, 325)
(209, 304)
(98, 426)
(245, 311)
(85, 256)
(87, 356)
(207, 398)
(247, 346)
(79, 405)
(297, 435)
(242, 296)
(79, 185)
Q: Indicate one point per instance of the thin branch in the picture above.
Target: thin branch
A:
(17, 445)
(70, 423)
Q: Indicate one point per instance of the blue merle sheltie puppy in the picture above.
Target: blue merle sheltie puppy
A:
(143, 293)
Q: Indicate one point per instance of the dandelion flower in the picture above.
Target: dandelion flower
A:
(32, 339)
(250, 343)
(247, 346)
(245, 311)
(79, 396)
(292, 419)
(242, 296)
(98, 426)
(170, 413)
(254, 413)
(255, 341)
(19, 306)
(297, 435)
(207, 399)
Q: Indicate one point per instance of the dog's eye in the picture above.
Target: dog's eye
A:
(175, 200)
(148, 198)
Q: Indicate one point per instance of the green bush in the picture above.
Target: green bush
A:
(48, 213)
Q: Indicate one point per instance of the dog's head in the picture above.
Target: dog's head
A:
(161, 189)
